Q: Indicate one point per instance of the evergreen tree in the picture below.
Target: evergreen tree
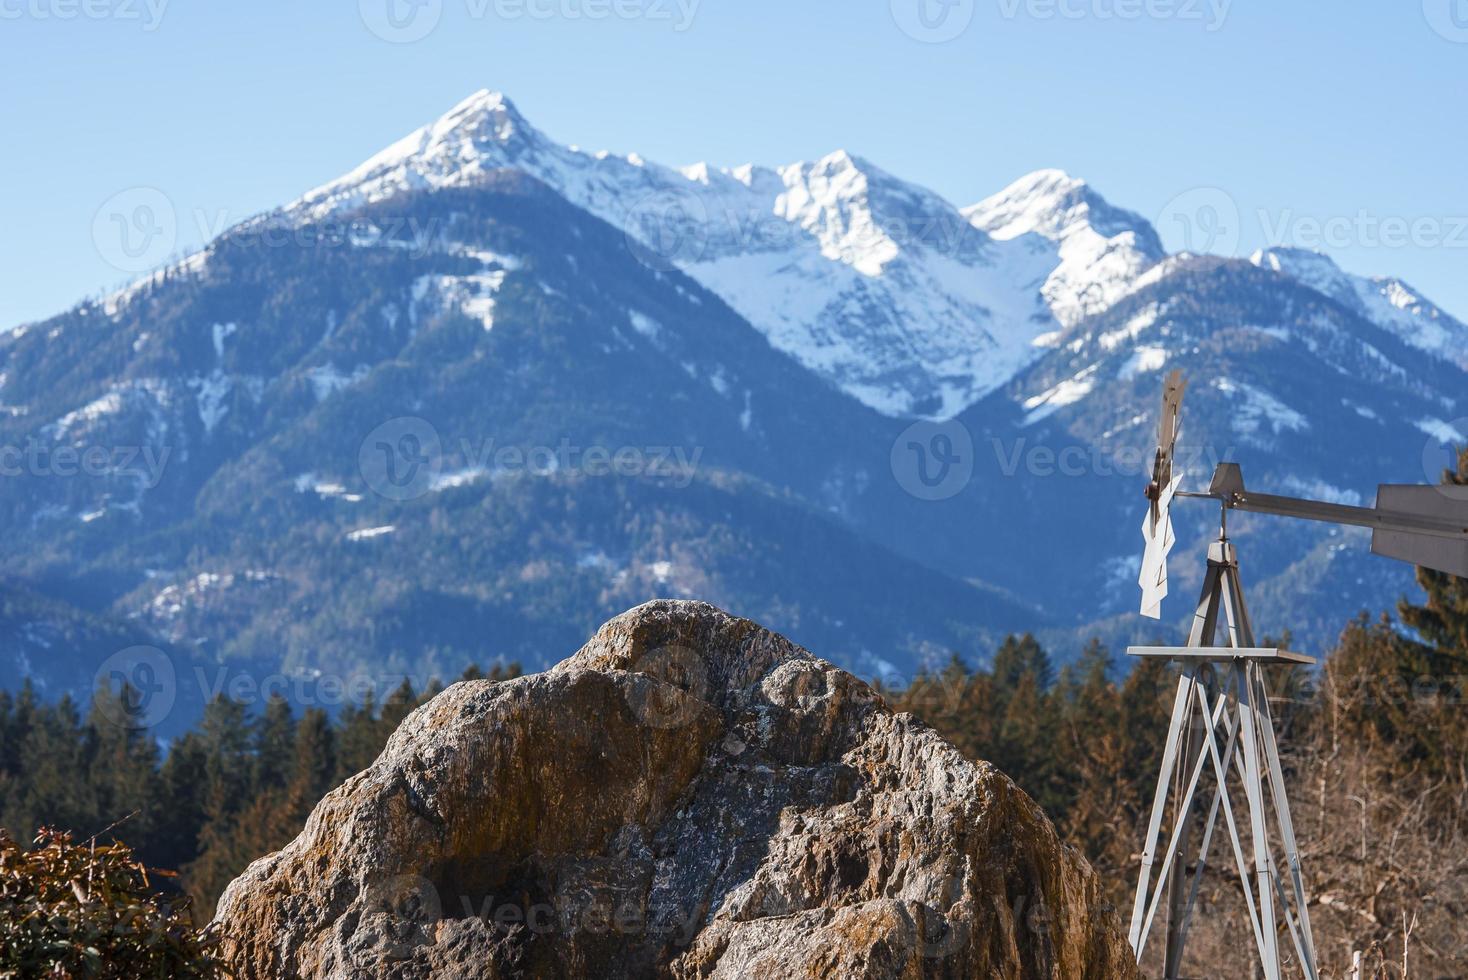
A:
(180, 813)
(1026, 743)
(399, 705)
(1443, 620)
(358, 741)
(226, 740)
(55, 759)
(20, 717)
(313, 765)
(275, 736)
(9, 747)
(1018, 656)
(123, 764)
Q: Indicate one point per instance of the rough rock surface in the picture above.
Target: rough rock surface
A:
(690, 795)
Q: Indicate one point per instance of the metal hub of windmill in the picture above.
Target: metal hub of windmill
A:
(1221, 723)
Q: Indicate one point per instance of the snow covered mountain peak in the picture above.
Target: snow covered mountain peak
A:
(483, 132)
(485, 105)
(879, 286)
(1039, 202)
(1100, 249)
(1056, 205)
(1310, 268)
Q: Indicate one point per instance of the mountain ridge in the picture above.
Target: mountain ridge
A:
(820, 338)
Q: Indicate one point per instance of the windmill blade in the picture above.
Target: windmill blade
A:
(1168, 426)
(1173, 388)
(1159, 540)
(1157, 532)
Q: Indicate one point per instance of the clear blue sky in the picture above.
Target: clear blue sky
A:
(1305, 111)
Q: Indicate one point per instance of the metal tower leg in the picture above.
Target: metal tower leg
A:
(1237, 715)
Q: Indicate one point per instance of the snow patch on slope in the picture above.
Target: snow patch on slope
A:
(1143, 360)
(326, 380)
(1067, 392)
(1256, 409)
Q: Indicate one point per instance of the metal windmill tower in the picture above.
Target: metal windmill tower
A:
(1221, 722)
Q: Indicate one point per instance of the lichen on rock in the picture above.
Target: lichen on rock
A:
(688, 796)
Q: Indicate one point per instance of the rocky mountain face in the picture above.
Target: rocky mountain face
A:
(508, 432)
(483, 391)
(689, 795)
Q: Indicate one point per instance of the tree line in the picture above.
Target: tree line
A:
(236, 787)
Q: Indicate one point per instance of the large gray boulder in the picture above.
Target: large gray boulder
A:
(690, 795)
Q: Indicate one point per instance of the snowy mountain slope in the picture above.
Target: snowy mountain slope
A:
(1099, 249)
(877, 285)
(1387, 302)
